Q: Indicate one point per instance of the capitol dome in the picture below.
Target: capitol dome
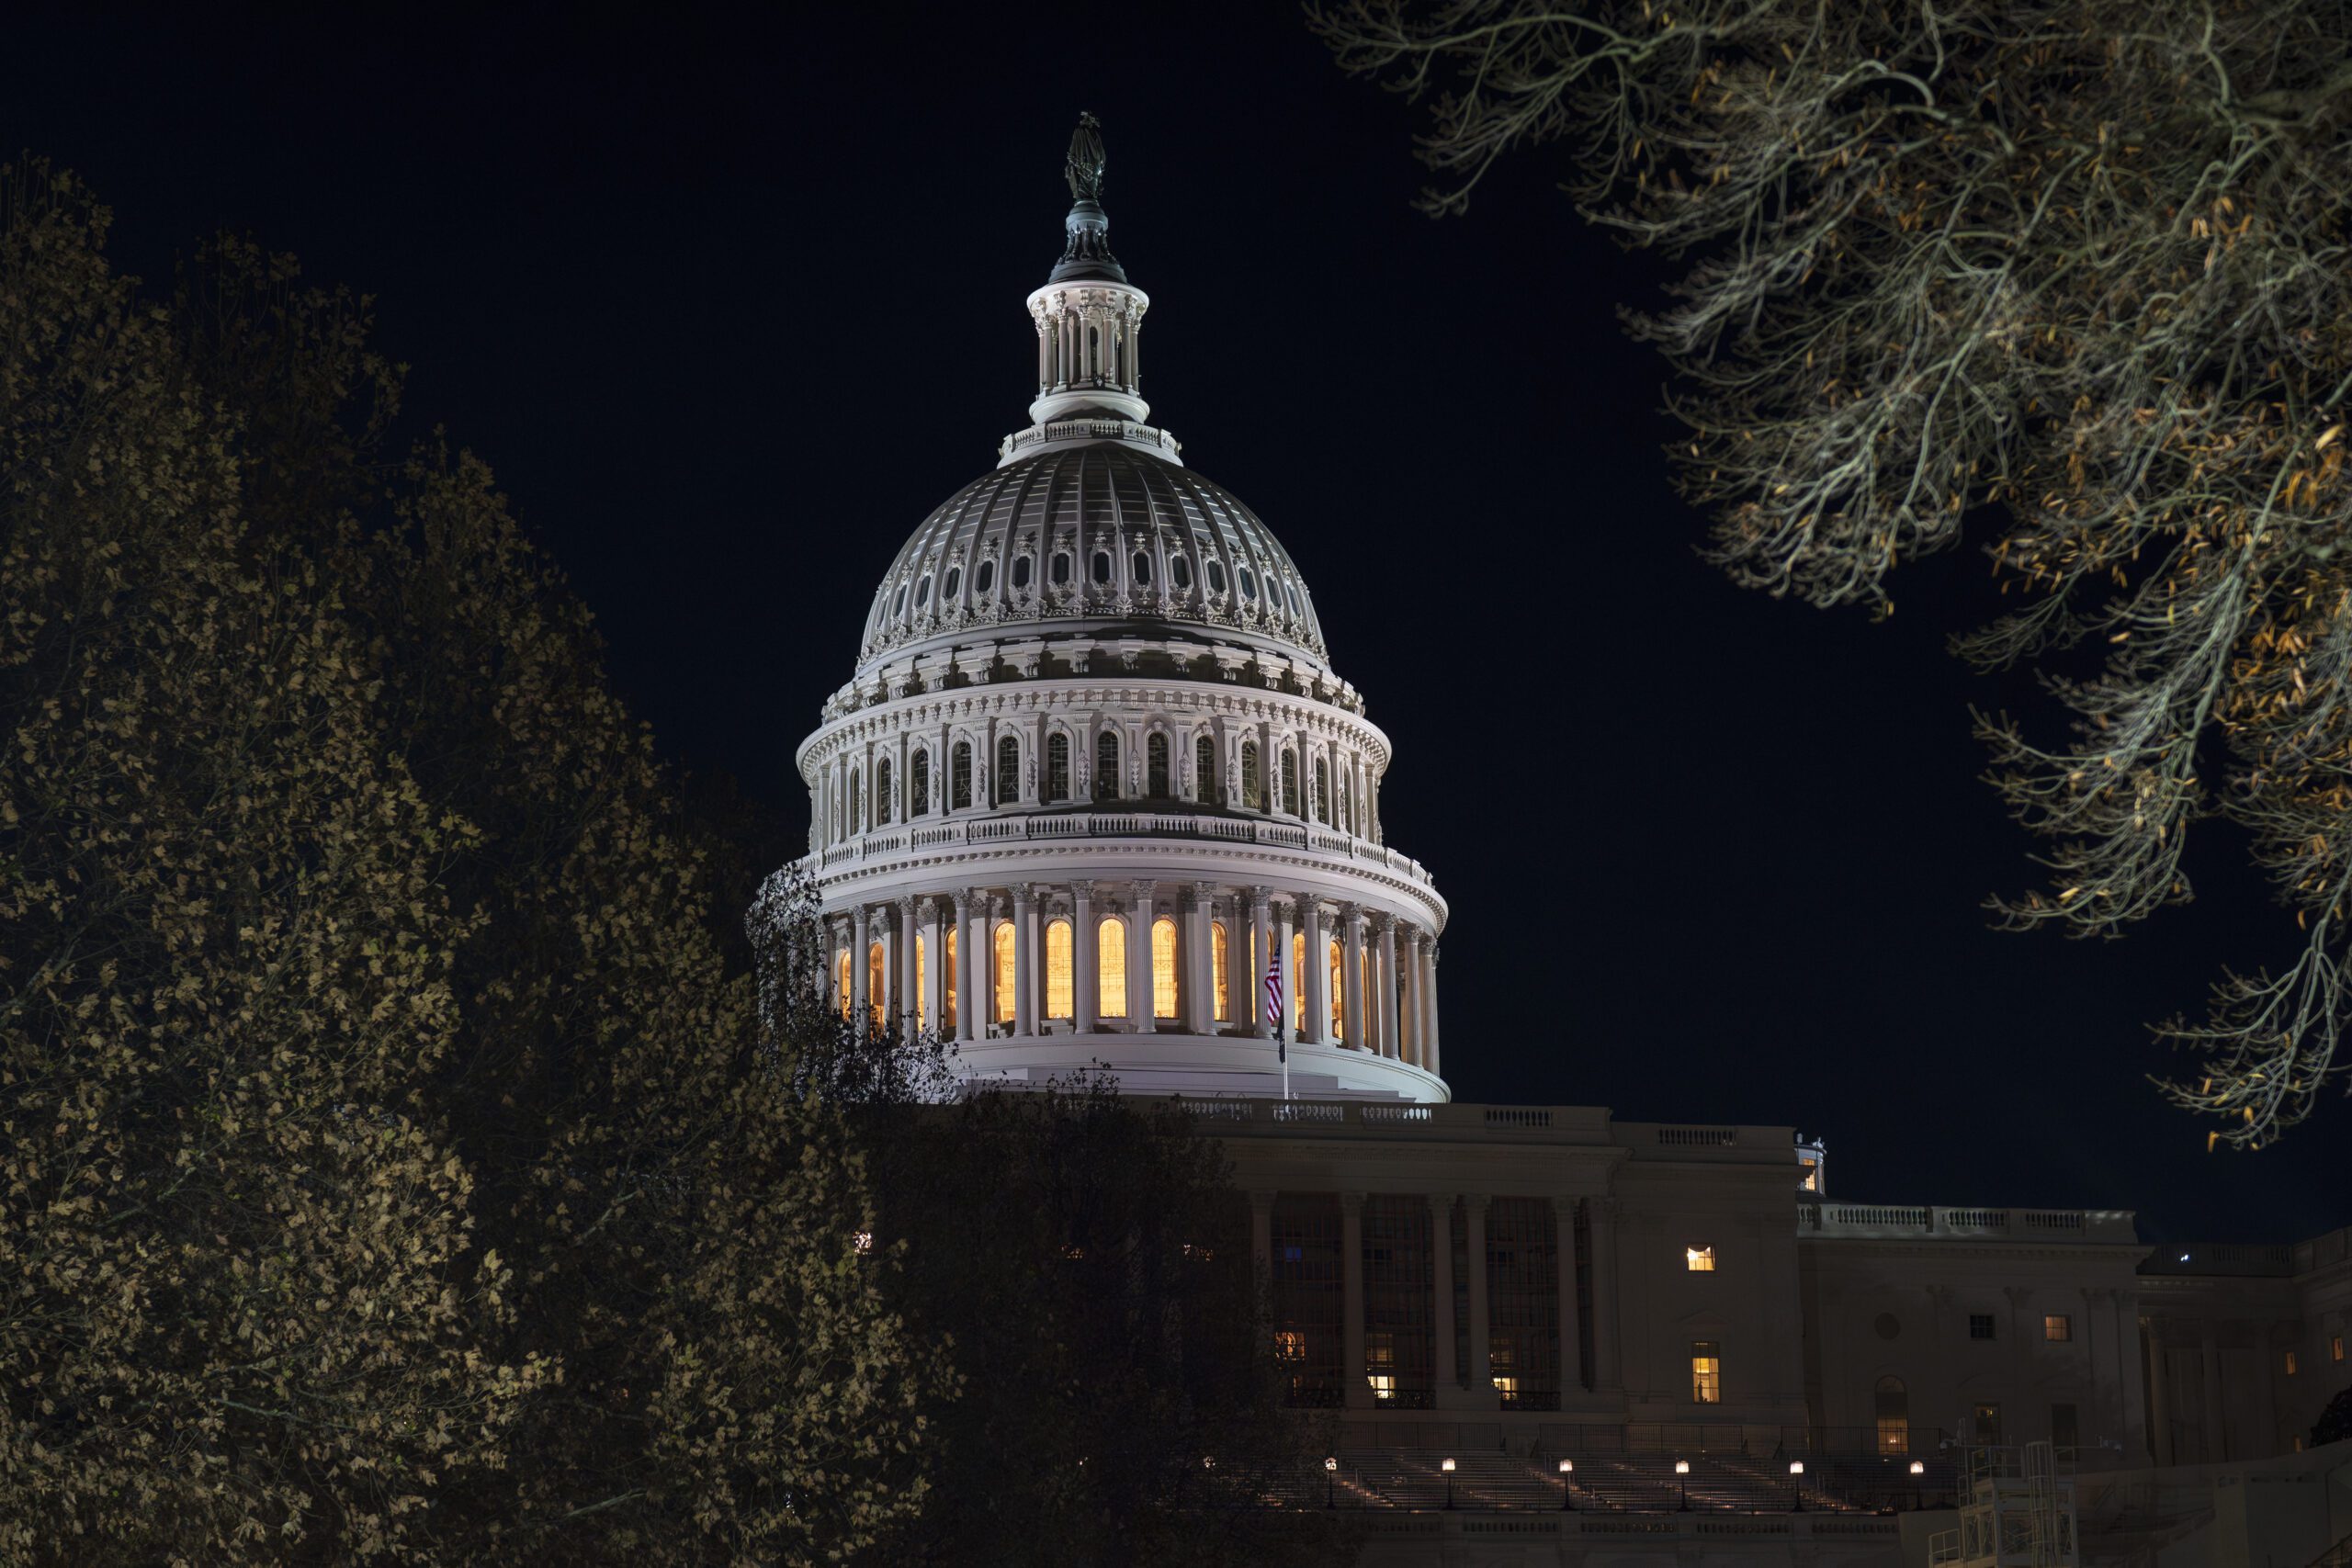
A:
(1094, 793)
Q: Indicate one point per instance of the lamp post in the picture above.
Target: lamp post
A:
(1682, 1482)
(1330, 1480)
(1567, 1485)
(1447, 1466)
(1918, 1469)
(1796, 1486)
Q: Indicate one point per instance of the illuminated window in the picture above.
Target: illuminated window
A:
(923, 983)
(959, 775)
(1008, 769)
(1221, 979)
(2057, 1327)
(1297, 973)
(1699, 1259)
(918, 784)
(1155, 763)
(1163, 968)
(1111, 964)
(1252, 788)
(1058, 766)
(2336, 1349)
(2291, 1363)
(876, 976)
(1706, 1373)
(1106, 765)
(1059, 975)
(882, 791)
(1290, 1345)
(841, 981)
(1980, 1325)
(1006, 991)
(1210, 786)
(1892, 1402)
(1988, 1423)
(1337, 995)
(947, 1010)
(1811, 1181)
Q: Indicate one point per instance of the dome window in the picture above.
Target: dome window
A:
(900, 608)
(984, 577)
(1180, 572)
(1102, 567)
(954, 581)
(1008, 769)
(1217, 577)
(1249, 585)
(1295, 607)
(1020, 573)
(1142, 569)
(923, 593)
(1058, 766)
(1106, 766)
(1060, 572)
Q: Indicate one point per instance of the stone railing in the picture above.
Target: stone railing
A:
(1088, 430)
(1012, 826)
(1893, 1221)
(1378, 1118)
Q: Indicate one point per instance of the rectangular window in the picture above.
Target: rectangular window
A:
(2336, 1349)
(1706, 1373)
(1988, 1423)
(1980, 1325)
(2062, 1432)
(1400, 1261)
(1307, 1295)
(1523, 1302)
(1699, 1259)
(1110, 967)
(2291, 1363)
(2057, 1328)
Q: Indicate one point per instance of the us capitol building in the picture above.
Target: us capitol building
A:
(1096, 776)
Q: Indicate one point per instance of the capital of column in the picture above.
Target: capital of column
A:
(1023, 895)
(927, 909)
(1197, 895)
(1261, 899)
(1384, 922)
(963, 898)
(1082, 888)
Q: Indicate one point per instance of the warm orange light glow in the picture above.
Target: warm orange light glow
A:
(1007, 994)
(1061, 977)
(1111, 967)
(1163, 968)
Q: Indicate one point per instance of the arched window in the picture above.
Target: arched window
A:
(1058, 766)
(1155, 763)
(922, 982)
(1007, 994)
(1111, 967)
(947, 1016)
(1220, 972)
(1008, 769)
(1211, 787)
(877, 976)
(1163, 967)
(1094, 351)
(1106, 765)
(1290, 780)
(841, 982)
(1253, 792)
(1298, 981)
(856, 819)
(1337, 995)
(1322, 791)
(1060, 977)
(959, 776)
(919, 784)
(1894, 1410)
(882, 791)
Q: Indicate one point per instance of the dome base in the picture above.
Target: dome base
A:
(1202, 1067)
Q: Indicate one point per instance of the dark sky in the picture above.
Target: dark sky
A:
(730, 304)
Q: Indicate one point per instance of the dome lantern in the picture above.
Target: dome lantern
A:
(1088, 316)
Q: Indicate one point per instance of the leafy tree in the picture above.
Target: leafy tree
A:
(394, 1164)
(2079, 267)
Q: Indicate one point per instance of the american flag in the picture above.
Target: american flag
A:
(1274, 1005)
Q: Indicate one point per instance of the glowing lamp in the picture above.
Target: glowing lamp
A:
(1918, 1467)
(1330, 1464)
(1682, 1467)
(1796, 1467)
(1567, 1467)
(1447, 1466)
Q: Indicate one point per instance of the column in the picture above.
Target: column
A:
(860, 976)
(910, 973)
(2160, 1446)
(2210, 1349)
(1025, 959)
(1193, 956)
(1140, 1014)
(971, 1005)
(1429, 1009)
(1564, 1218)
(1482, 1365)
(1441, 1291)
(889, 934)
(1391, 1044)
(1410, 1042)
(1352, 975)
(1355, 1389)
(934, 965)
(1283, 916)
(1259, 954)
(2266, 1396)
(1316, 1025)
(1086, 953)
(1608, 1376)
(2132, 1423)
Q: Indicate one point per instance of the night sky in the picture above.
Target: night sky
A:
(730, 305)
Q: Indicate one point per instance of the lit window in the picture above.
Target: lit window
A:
(841, 981)
(1706, 1373)
(2336, 1349)
(1002, 941)
(1111, 964)
(1508, 1387)
(1338, 996)
(1290, 1344)
(1059, 975)
(877, 976)
(2291, 1363)
(947, 975)
(1980, 1325)
(1163, 968)
(1812, 1182)
(2057, 1327)
(1892, 1408)
(1699, 1259)
(1221, 979)
(1384, 1384)
(923, 983)
(1298, 973)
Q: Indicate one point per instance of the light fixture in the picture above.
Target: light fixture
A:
(1208, 1462)
(2183, 1258)
(1918, 1467)
(1330, 1464)
(1447, 1466)
(1796, 1467)
(1682, 1467)
(1567, 1467)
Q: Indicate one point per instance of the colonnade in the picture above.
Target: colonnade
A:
(1191, 958)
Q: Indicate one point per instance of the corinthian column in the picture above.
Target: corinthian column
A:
(1316, 1025)
(1386, 968)
(1086, 953)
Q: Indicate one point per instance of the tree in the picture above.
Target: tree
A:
(2076, 267)
(394, 1165)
